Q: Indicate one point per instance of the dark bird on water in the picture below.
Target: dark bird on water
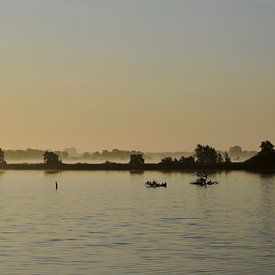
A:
(56, 185)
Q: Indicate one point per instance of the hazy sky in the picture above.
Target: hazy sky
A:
(142, 74)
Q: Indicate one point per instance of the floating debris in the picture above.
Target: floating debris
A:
(203, 180)
(155, 184)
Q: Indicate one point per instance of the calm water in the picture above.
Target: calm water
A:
(109, 223)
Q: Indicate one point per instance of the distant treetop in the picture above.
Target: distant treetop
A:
(266, 147)
(206, 154)
(136, 159)
(2, 157)
(51, 158)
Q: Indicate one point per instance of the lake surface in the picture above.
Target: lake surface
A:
(110, 223)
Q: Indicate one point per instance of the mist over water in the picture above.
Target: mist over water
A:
(109, 223)
(154, 85)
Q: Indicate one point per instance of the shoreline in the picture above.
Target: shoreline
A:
(128, 167)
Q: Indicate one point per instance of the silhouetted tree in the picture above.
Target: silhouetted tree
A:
(136, 159)
(207, 155)
(187, 161)
(167, 161)
(219, 158)
(266, 147)
(2, 157)
(226, 158)
(235, 150)
(51, 158)
(87, 155)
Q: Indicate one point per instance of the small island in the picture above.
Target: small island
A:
(205, 157)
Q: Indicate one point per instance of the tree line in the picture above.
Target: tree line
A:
(204, 155)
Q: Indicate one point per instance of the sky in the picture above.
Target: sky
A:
(150, 75)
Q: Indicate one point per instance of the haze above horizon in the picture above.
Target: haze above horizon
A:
(144, 75)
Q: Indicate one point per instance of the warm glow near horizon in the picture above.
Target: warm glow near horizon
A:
(149, 75)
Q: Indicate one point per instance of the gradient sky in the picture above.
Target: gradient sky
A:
(152, 75)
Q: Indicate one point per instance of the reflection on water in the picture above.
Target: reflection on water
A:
(110, 223)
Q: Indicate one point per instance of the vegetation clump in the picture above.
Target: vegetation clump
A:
(203, 180)
(51, 158)
(2, 158)
(265, 159)
(204, 155)
(136, 160)
(266, 147)
(155, 184)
